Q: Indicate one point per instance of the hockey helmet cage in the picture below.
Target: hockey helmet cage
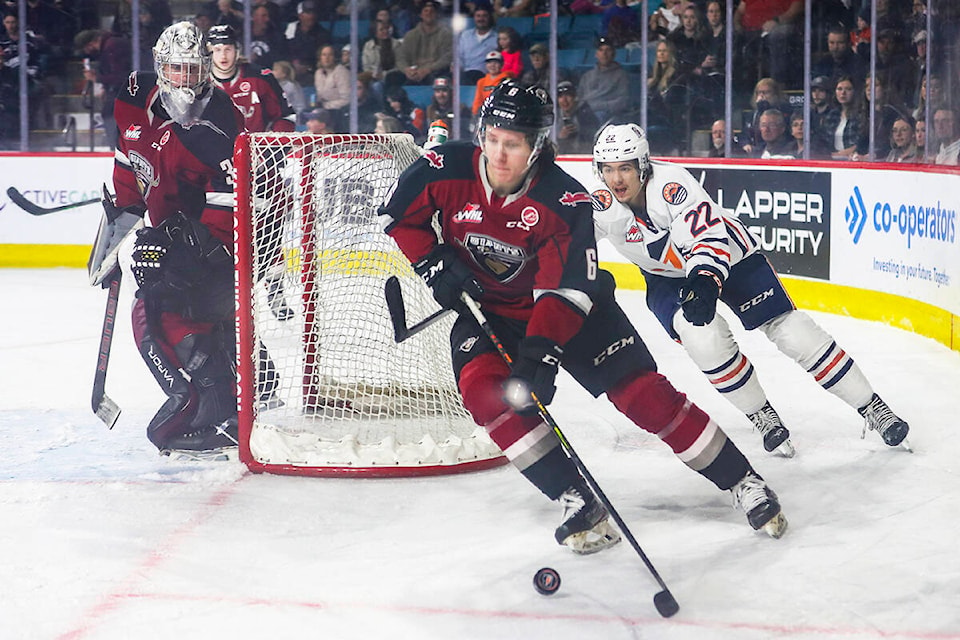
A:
(518, 107)
(222, 34)
(182, 62)
(621, 143)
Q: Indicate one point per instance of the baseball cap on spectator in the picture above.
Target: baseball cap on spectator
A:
(540, 48)
(821, 82)
(565, 87)
(305, 6)
(84, 38)
(433, 3)
(604, 41)
(494, 55)
(441, 83)
(920, 37)
(319, 114)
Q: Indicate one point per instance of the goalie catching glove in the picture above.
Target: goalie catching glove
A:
(177, 255)
(534, 373)
(447, 276)
(698, 297)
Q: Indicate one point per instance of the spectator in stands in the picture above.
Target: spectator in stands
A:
(475, 43)
(539, 71)
(229, 12)
(10, 75)
(665, 19)
(774, 141)
(620, 23)
(427, 49)
(903, 142)
(916, 23)
(715, 40)
(56, 27)
(387, 124)
(767, 94)
(203, 19)
(920, 133)
(770, 31)
(379, 56)
(267, 44)
(485, 85)
(331, 80)
(842, 125)
(666, 95)
(304, 39)
(887, 107)
(509, 44)
(919, 64)
(689, 41)
(114, 63)
(796, 134)
(441, 106)
(936, 95)
(839, 59)
(821, 100)
(947, 139)
(369, 103)
(718, 139)
(861, 35)
(894, 64)
(293, 92)
(514, 8)
(411, 117)
(345, 56)
(320, 121)
(155, 16)
(579, 123)
(606, 87)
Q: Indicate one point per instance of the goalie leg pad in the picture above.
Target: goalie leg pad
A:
(211, 373)
(174, 416)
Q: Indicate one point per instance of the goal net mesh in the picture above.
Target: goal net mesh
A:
(328, 389)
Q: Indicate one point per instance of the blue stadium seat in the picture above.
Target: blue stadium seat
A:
(310, 95)
(467, 92)
(571, 58)
(340, 31)
(523, 25)
(588, 23)
(541, 24)
(420, 95)
(578, 40)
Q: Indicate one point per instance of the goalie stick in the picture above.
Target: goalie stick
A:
(105, 408)
(36, 210)
(398, 313)
(664, 601)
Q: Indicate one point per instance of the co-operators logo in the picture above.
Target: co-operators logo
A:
(911, 221)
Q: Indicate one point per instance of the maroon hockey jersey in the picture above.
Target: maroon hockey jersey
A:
(537, 243)
(167, 167)
(259, 98)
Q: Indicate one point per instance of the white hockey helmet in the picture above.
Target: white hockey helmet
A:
(182, 62)
(621, 143)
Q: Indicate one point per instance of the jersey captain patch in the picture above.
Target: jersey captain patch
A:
(502, 260)
(674, 192)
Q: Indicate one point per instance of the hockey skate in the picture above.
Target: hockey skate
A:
(758, 501)
(585, 526)
(878, 417)
(776, 437)
(214, 438)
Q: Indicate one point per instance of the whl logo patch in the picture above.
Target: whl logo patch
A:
(855, 215)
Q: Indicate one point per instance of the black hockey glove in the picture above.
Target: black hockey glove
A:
(534, 371)
(149, 252)
(447, 276)
(698, 297)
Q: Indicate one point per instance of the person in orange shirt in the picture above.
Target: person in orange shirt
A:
(495, 75)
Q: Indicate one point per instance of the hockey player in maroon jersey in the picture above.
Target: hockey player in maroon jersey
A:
(515, 232)
(693, 253)
(174, 165)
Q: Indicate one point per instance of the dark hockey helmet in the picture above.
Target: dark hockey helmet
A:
(222, 34)
(518, 107)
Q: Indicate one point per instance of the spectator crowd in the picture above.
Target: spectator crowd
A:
(408, 52)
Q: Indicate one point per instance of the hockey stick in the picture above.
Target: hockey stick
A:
(105, 408)
(398, 313)
(36, 210)
(664, 601)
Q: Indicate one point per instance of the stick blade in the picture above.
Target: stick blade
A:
(108, 411)
(666, 604)
(398, 315)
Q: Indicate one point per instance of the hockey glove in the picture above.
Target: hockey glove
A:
(534, 372)
(149, 252)
(447, 276)
(698, 297)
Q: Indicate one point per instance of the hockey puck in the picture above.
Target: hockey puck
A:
(546, 581)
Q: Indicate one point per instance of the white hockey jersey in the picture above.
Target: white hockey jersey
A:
(681, 231)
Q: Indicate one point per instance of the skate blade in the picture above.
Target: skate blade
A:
(786, 449)
(600, 537)
(221, 454)
(906, 445)
(776, 526)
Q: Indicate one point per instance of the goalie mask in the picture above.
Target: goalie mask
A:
(517, 107)
(621, 143)
(182, 62)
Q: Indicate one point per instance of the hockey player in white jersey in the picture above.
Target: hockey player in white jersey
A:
(692, 253)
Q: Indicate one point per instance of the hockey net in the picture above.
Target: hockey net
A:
(323, 387)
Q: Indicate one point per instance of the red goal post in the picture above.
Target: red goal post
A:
(323, 389)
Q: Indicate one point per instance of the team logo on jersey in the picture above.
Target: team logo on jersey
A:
(634, 233)
(132, 85)
(244, 86)
(164, 138)
(467, 344)
(144, 172)
(674, 192)
(434, 159)
(601, 199)
(530, 216)
(470, 213)
(266, 72)
(502, 260)
(133, 132)
(573, 199)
